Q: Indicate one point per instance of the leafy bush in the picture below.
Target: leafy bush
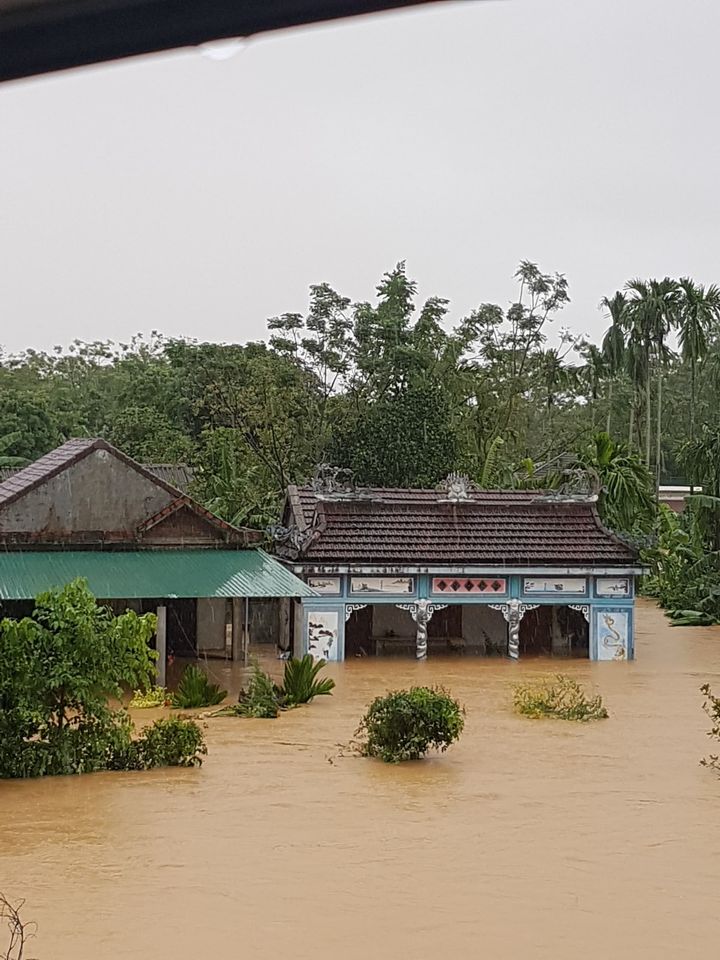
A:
(196, 690)
(153, 697)
(560, 697)
(405, 724)
(300, 683)
(170, 742)
(58, 671)
(711, 706)
(261, 697)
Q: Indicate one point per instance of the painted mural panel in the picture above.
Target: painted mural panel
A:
(382, 585)
(613, 586)
(325, 585)
(469, 585)
(322, 634)
(612, 632)
(552, 585)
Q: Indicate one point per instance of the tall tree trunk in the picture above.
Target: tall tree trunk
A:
(648, 419)
(692, 409)
(658, 428)
(609, 409)
(631, 428)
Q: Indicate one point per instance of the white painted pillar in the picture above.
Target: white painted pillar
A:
(161, 646)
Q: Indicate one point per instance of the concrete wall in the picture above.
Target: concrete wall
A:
(99, 495)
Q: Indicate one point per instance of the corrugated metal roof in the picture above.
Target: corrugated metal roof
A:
(150, 573)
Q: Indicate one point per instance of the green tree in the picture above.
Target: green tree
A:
(626, 499)
(400, 441)
(58, 671)
(651, 312)
(698, 315)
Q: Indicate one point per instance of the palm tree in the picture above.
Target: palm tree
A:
(651, 313)
(593, 372)
(626, 498)
(613, 350)
(699, 311)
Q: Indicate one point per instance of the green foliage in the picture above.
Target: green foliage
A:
(196, 690)
(626, 489)
(147, 699)
(170, 742)
(711, 706)
(684, 570)
(58, 671)
(301, 683)
(260, 699)
(405, 724)
(404, 440)
(560, 697)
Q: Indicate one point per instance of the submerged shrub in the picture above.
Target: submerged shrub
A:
(260, 699)
(560, 697)
(196, 690)
(153, 697)
(405, 724)
(170, 742)
(301, 683)
(711, 706)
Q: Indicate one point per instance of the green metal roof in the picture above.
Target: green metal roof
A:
(150, 573)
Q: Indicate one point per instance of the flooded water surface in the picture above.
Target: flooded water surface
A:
(536, 838)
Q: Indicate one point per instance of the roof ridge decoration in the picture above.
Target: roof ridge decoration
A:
(457, 488)
(330, 481)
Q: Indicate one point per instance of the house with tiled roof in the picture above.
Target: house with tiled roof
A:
(456, 569)
(87, 510)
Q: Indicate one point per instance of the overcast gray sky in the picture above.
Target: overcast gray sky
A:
(198, 197)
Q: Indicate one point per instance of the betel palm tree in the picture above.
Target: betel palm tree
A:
(699, 312)
(613, 351)
(591, 375)
(651, 313)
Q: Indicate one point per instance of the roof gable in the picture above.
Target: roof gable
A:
(58, 460)
(89, 492)
(184, 520)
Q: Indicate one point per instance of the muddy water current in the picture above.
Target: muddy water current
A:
(528, 838)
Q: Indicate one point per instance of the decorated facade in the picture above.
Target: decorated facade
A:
(423, 572)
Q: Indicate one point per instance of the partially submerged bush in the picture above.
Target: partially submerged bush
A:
(405, 724)
(153, 697)
(711, 706)
(196, 690)
(260, 699)
(560, 697)
(301, 683)
(170, 742)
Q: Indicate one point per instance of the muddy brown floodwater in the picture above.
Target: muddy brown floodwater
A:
(529, 838)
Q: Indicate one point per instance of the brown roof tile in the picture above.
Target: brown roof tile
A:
(495, 528)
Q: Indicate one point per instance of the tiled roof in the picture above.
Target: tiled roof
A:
(44, 468)
(179, 475)
(416, 527)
